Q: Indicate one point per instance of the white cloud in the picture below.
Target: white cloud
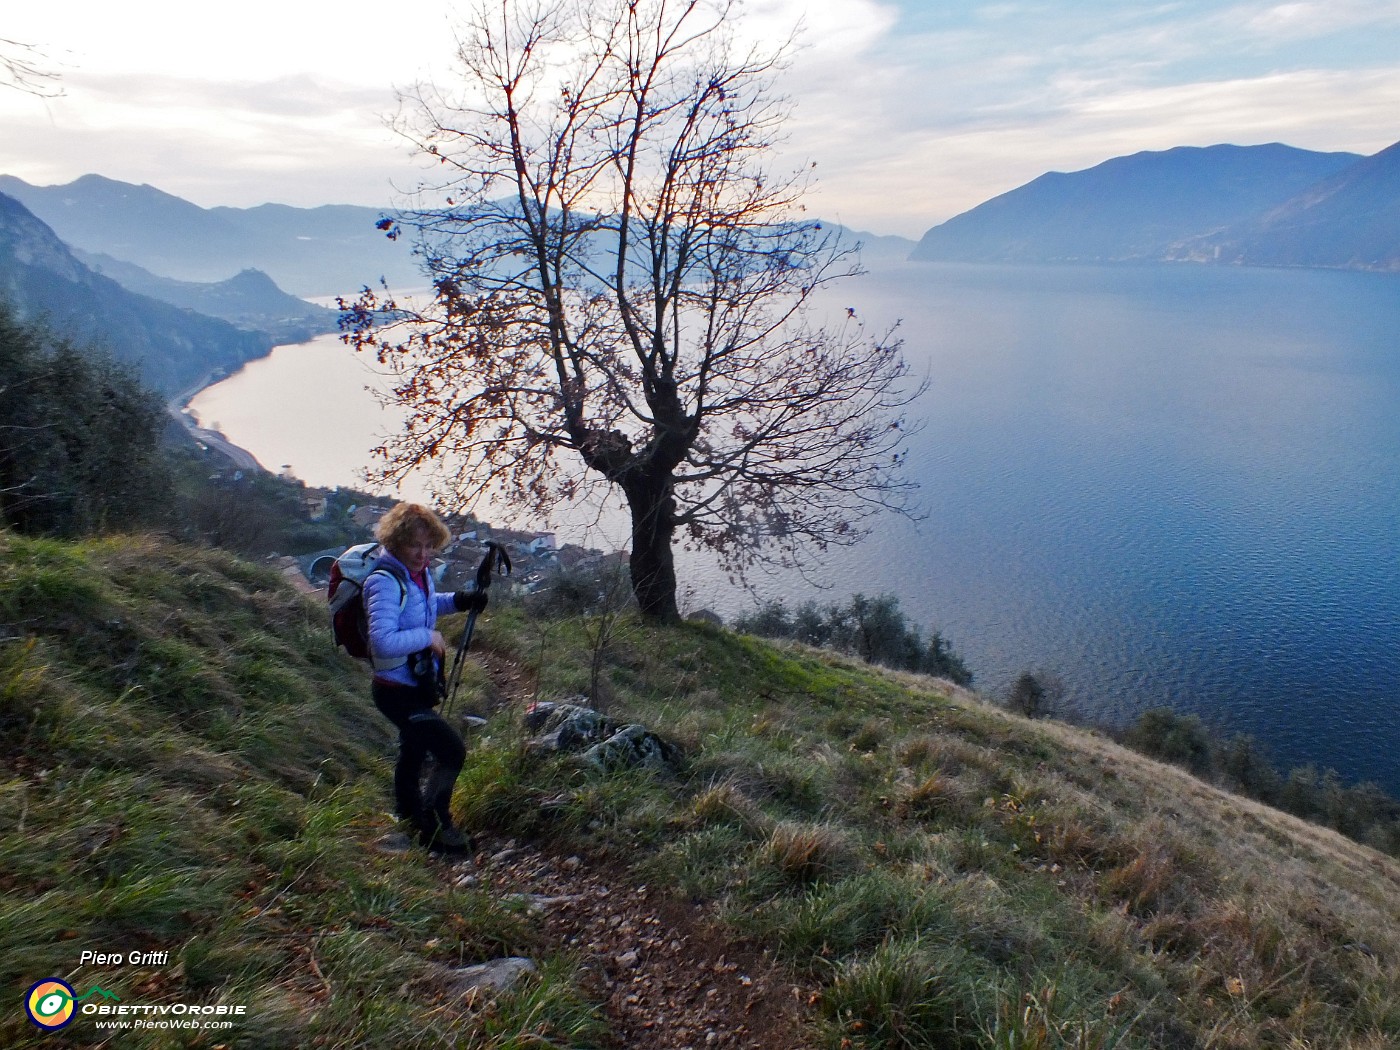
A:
(826, 27)
(911, 117)
(1308, 19)
(939, 173)
(923, 125)
(249, 40)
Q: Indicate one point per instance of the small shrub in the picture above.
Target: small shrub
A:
(1180, 739)
(1245, 767)
(1363, 812)
(582, 592)
(875, 629)
(1027, 696)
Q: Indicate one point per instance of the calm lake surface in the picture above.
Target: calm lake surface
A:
(1165, 485)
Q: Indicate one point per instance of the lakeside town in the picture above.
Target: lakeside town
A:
(536, 556)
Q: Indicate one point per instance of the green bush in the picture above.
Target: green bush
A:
(79, 437)
(875, 629)
(1179, 739)
(1027, 696)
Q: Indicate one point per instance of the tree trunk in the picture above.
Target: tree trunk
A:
(653, 563)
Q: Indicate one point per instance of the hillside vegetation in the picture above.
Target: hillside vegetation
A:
(190, 768)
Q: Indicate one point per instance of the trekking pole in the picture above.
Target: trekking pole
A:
(495, 560)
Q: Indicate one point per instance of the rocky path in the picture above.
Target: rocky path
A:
(667, 977)
(668, 980)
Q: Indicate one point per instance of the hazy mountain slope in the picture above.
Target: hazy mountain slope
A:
(171, 347)
(876, 250)
(1350, 220)
(250, 299)
(329, 250)
(1130, 207)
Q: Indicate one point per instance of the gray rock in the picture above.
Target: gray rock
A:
(535, 903)
(632, 747)
(488, 978)
(605, 743)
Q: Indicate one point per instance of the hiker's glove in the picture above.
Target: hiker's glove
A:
(469, 601)
(483, 574)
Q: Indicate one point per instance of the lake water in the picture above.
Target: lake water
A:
(1166, 485)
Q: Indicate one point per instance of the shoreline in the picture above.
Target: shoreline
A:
(177, 407)
(292, 419)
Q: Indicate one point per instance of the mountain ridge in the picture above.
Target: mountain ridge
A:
(1270, 204)
(328, 250)
(170, 346)
(1350, 220)
(249, 299)
(1131, 208)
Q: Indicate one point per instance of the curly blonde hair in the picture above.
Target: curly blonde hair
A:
(402, 525)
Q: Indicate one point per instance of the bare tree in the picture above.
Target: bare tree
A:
(622, 292)
(21, 66)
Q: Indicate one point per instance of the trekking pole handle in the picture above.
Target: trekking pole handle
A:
(494, 553)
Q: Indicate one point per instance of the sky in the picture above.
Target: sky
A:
(911, 111)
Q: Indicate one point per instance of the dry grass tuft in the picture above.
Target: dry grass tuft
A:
(804, 852)
(726, 803)
(935, 795)
(1145, 881)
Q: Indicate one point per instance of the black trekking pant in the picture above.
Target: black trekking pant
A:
(422, 732)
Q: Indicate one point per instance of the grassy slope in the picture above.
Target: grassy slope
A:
(191, 769)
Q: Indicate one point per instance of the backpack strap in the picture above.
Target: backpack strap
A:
(397, 577)
(389, 662)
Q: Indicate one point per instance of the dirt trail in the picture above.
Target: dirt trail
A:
(668, 977)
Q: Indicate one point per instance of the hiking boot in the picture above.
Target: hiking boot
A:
(440, 837)
(450, 840)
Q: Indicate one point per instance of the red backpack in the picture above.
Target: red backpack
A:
(345, 596)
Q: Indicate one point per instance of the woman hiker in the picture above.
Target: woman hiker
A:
(407, 652)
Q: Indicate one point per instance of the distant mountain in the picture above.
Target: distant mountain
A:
(1130, 208)
(250, 299)
(173, 348)
(875, 249)
(331, 250)
(1350, 220)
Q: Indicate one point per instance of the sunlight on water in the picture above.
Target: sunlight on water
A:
(311, 407)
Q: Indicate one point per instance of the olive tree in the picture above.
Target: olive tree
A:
(622, 293)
